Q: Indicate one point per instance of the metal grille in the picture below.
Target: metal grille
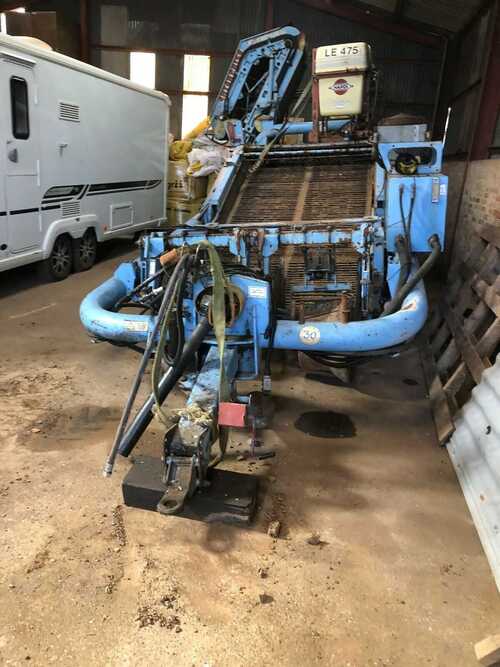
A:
(70, 208)
(287, 271)
(69, 111)
(300, 194)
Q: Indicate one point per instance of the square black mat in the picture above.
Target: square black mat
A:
(230, 498)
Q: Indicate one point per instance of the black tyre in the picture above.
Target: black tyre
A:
(84, 251)
(60, 262)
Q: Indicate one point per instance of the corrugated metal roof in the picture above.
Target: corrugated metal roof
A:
(475, 452)
(441, 17)
(448, 14)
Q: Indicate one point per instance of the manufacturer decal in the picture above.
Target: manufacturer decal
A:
(132, 325)
(310, 335)
(341, 86)
(257, 292)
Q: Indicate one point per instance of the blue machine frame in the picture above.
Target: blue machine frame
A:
(372, 236)
(408, 206)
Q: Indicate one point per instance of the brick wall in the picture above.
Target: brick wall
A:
(480, 202)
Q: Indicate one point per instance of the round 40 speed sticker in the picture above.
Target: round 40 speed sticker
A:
(310, 335)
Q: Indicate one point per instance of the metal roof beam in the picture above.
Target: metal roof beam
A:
(399, 9)
(385, 22)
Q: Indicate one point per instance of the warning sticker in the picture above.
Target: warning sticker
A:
(310, 335)
(257, 291)
(442, 189)
(134, 325)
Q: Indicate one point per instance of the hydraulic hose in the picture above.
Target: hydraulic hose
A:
(404, 255)
(269, 351)
(137, 289)
(176, 333)
(171, 285)
(407, 222)
(395, 303)
(403, 244)
(175, 297)
(167, 383)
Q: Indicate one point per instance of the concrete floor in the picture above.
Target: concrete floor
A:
(398, 576)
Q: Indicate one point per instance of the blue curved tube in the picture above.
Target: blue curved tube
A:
(364, 336)
(99, 320)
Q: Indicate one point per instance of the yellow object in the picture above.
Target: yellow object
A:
(202, 125)
(182, 186)
(193, 168)
(179, 149)
(186, 193)
(179, 212)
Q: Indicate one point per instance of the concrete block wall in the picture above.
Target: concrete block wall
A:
(480, 201)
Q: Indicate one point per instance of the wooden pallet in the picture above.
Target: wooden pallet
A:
(463, 333)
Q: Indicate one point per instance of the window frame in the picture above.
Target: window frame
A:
(188, 91)
(25, 135)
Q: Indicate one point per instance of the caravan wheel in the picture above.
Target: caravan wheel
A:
(85, 251)
(58, 266)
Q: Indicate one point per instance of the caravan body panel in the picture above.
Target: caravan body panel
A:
(82, 148)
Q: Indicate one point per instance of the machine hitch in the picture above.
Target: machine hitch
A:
(180, 484)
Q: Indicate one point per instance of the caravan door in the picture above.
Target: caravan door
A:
(21, 157)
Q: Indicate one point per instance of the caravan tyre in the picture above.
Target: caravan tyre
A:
(84, 251)
(60, 262)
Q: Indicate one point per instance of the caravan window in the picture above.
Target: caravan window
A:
(19, 105)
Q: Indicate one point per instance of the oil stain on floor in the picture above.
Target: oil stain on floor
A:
(326, 424)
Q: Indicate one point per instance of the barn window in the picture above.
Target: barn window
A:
(195, 91)
(143, 68)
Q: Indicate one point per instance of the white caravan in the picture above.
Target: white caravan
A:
(82, 158)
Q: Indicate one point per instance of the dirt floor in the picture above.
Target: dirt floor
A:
(378, 562)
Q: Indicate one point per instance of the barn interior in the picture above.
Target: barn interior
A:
(355, 417)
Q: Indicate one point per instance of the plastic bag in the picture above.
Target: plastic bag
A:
(204, 161)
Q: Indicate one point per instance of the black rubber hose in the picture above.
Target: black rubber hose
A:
(272, 333)
(145, 415)
(138, 288)
(404, 261)
(395, 304)
(176, 341)
(171, 285)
